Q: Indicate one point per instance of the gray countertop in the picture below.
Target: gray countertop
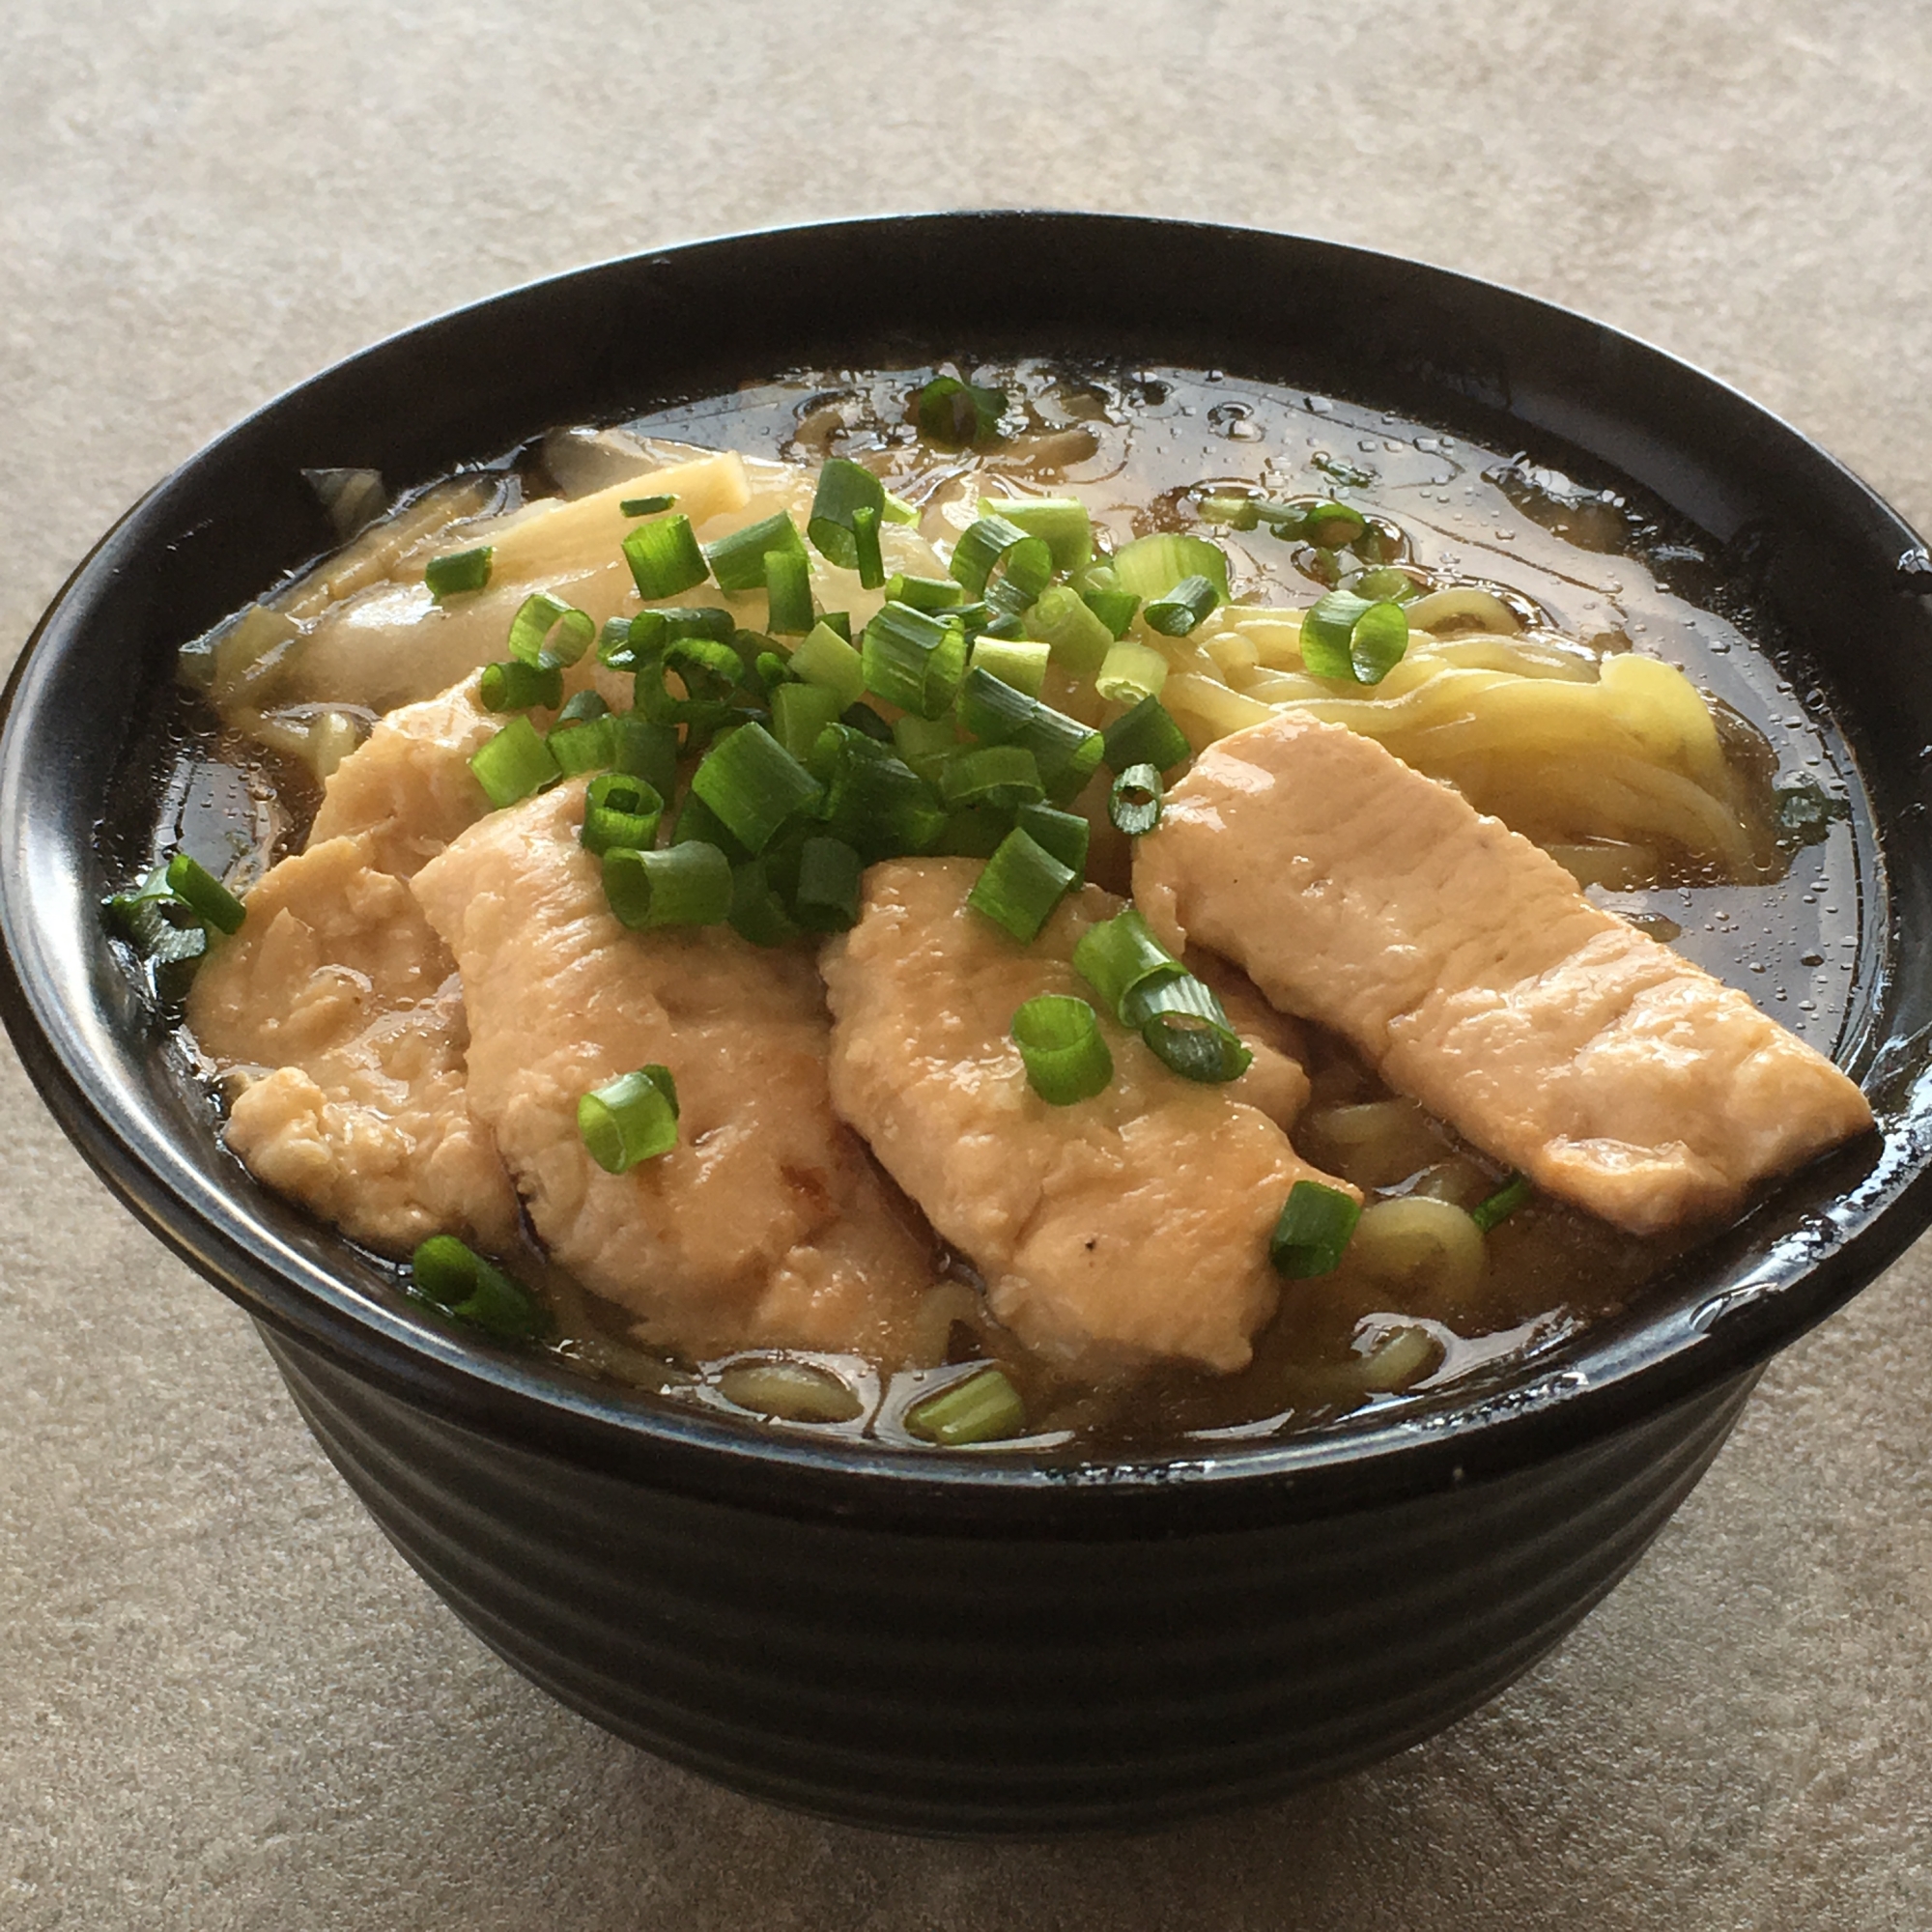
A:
(226, 1702)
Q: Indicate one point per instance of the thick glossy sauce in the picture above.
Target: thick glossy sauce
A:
(1584, 554)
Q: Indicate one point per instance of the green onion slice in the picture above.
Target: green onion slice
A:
(619, 809)
(665, 558)
(912, 660)
(1145, 735)
(1064, 834)
(585, 707)
(1060, 523)
(1005, 777)
(738, 561)
(827, 899)
(458, 1281)
(1066, 1054)
(1313, 1232)
(1183, 607)
(548, 630)
(998, 559)
(1114, 609)
(754, 784)
(1236, 512)
(629, 1120)
(1016, 661)
(1076, 637)
(1152, 567)
(700, 620)
(1502, 1203)
(1346, 636)
(203, 894)
(683, 884)
(519, 687)
(1021, 885)
(871, 558)
(955, 414)
(844, 489)
(1131, 672)
(644, 751)
(1329, 525)
(1068, 752)
(1118, 957)
(800, 712)
(1185, 1028)
(827, 659)
(1134, 802)
(757, 913)
(515, 763)
(982, 1407)
(787, 593)
(644, 506)
(458, 571)
(584, 746)
(924, 593)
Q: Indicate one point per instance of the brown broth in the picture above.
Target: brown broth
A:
(1593, 560)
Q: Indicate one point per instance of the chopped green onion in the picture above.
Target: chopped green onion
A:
(1186, 1029)
(863, 718)
(757, 914)
(665, 558)
(629, 1120)
(585, 707)
(458, 571)
(898, 511)
(1064, 834)
(1152, 567)
(619, 809)
(700, 620)
(1022, 884)
(1502, 1203)
(624, 643)
(519, 687)
(974, 832)
(1005, 777)
(1350, 638)
(1119, 957)
(1016, 662)
(1330, 525)
(1066, 1054)
(644, 751)
(924, 741)
(874, 801)
(754, 784)
(696, 824)
(547, 630)
(1386, 580)
(515, 763)
(924, 593)
(912, 660)
(769, 668)
(683, 884)
(827, 659)
(1130, 673)
(203, 894)
(953, 413)
(1313, 1232)
(984, 1407)
(644, 506)
(738, 561)
(1182, 607)
(838, 623)
(1135, 799)
(1145, 735)
(789, 593)
(1060, 523)
(844, 489)
(1074, 635)
(163, 930)
(800, 712)
(998, 559)
(871, 558)
(1238, 513)
(458, 1282)
(827, 899)
(585, 745)
(1066, 751)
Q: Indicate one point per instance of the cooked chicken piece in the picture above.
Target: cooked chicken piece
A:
(1470, 968)
(766, 1224)
(336, 1012)
(1117, 1230)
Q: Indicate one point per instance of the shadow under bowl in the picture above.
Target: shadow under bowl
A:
(950, 1642)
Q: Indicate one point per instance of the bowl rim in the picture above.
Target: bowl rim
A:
(1540, 1413)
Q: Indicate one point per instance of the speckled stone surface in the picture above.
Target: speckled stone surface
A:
(225, 1703)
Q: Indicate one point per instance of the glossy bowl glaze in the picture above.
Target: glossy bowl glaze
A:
(993, 1642)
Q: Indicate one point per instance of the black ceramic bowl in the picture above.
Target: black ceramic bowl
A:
(956, 1642)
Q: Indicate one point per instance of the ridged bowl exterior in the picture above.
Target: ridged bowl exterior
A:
(974, 1684)
(1008, 1642)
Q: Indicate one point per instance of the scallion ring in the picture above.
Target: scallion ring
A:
(629, 1120)
(1313, 1232)
(1065, 1053)
(1134, 802)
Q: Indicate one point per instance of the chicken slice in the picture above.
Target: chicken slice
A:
(1123, 1229)
(1468, 967)
(766, 1225)
(336, 1012)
